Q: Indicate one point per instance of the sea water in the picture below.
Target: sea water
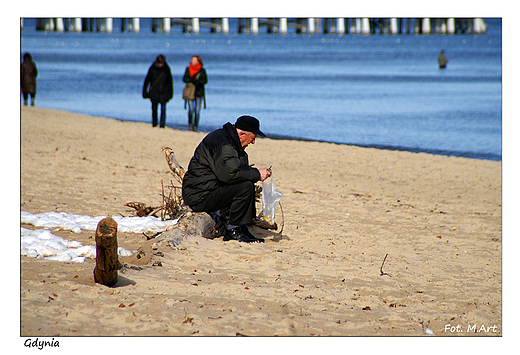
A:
(383, 91)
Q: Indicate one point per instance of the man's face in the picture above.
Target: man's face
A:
(246, 138)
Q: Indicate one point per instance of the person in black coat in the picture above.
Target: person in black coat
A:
(28, 74)
(219, 177)
(158, 87)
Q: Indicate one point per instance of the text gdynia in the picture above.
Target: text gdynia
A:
(40, 344)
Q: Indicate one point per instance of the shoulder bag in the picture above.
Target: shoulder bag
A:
(188, 93)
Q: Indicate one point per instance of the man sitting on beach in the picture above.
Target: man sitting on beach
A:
(219, 177)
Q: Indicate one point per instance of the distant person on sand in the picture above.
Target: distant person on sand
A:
(28, 74)
(196, 74)
(442, 60)
(219, 177)
(158, 87)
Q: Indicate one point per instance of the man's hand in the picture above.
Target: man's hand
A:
(264, 173)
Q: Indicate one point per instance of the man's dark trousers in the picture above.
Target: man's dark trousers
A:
(162, 123)
(238, 198)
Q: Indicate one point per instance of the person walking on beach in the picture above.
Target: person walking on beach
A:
(442, 60)
(158, 87)
(28, 75)
(196, 74)
(219, 177)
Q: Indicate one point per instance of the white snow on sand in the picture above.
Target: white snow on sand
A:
(42, 243)
(77, 223)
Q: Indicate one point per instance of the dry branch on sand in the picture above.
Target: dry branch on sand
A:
(172, 202)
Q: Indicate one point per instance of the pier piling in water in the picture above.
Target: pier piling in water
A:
(311, 25)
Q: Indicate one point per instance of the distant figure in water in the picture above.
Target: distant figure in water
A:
(442, 60)
(28, 74)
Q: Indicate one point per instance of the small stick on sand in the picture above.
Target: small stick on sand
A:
(381, 269)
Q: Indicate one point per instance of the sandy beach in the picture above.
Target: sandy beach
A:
(345, 208)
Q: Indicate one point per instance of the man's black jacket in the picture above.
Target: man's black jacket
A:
(218, 160)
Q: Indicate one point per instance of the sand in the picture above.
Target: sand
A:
(438, 218)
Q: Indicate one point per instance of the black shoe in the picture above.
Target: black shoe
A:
(248, 233)
(237, 234)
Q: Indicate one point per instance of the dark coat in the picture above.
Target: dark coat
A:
(200, 79)
(219, 160)
(162, 85)
(28, 74)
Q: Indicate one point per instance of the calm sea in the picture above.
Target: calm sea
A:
(383, 91)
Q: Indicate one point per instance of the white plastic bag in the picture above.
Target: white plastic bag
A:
(270, 198)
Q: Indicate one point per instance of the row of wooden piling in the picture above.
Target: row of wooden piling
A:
(366, 26)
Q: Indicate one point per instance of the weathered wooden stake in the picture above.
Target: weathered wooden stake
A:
(107, 262)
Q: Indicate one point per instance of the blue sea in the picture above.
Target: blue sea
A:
(383, 91)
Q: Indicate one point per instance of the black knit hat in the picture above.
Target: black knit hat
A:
(249, 124)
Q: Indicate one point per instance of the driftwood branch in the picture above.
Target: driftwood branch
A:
(141, 209)
(176, 168)
(172, 202)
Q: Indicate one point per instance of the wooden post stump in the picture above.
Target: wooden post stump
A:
(107, 262)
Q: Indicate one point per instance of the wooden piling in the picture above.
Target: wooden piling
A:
(195, 25)
(365, 26)
(338, 25)
(77, 24)
(426, 28)
(312, 25)
(393, 26)
(254, 25)
(225, 25)
(450, 24)
(60, 26)
(241, 25)
(326, 25)
(167, 25)
(283, 25)
(107, 262)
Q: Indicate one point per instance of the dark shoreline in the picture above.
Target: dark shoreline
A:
(449, 153)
